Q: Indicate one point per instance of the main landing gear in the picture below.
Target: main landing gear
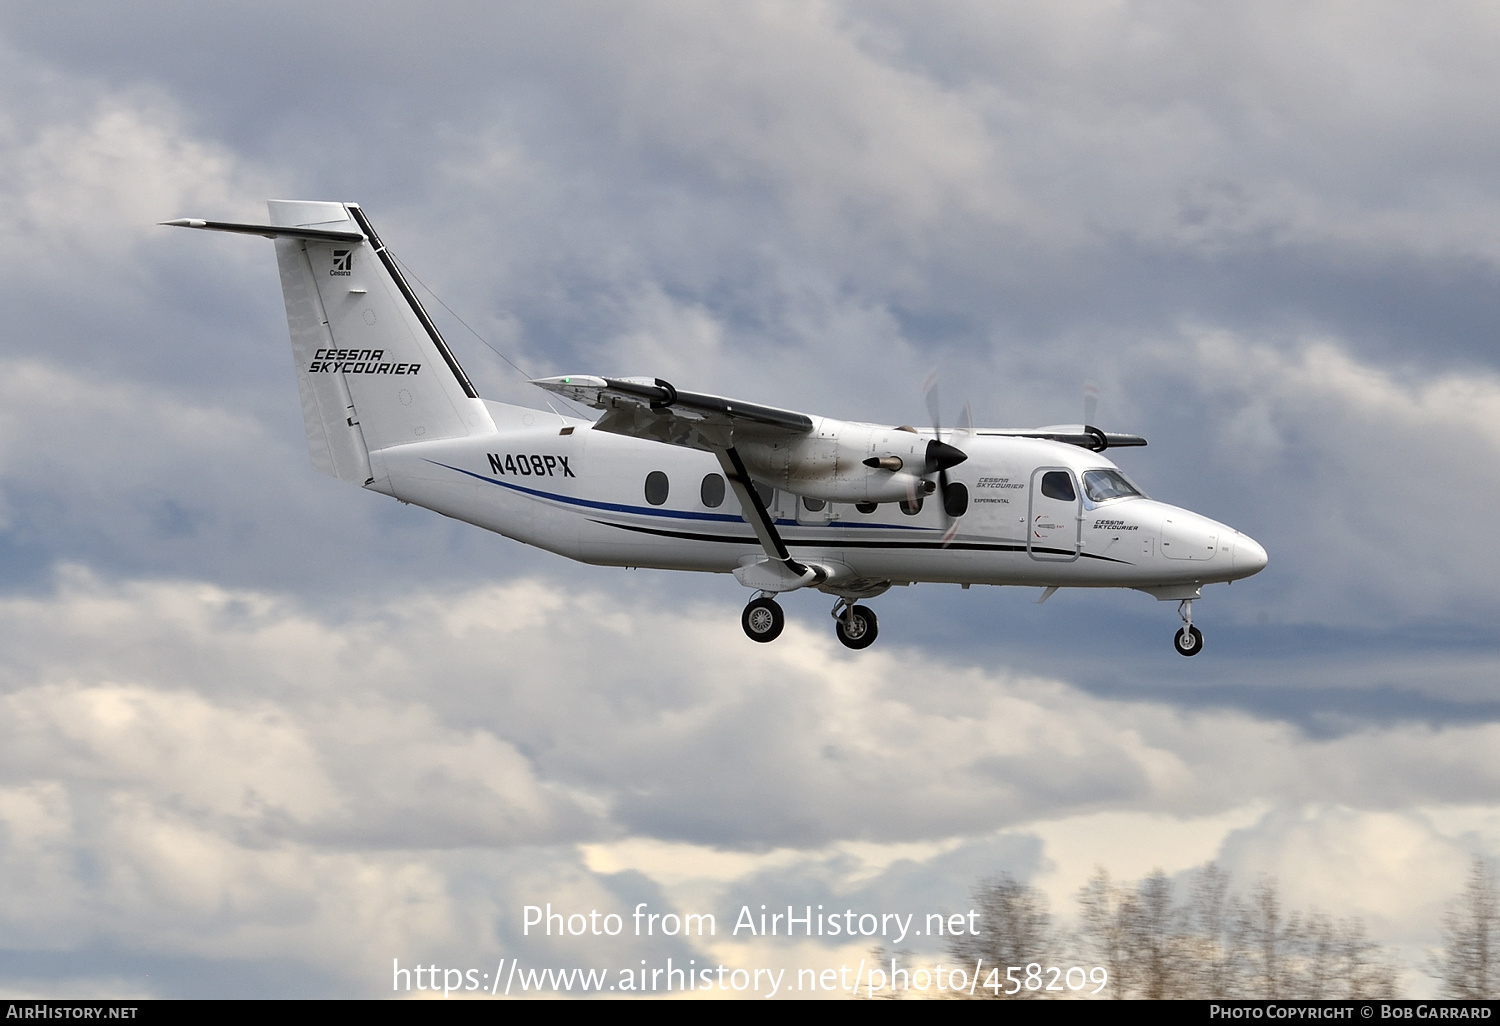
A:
(856, 626)
(763, 619)
(1189, 640)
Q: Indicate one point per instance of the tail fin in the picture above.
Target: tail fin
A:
(372, 369)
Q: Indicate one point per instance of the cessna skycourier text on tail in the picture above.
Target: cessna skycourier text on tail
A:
(684, 481)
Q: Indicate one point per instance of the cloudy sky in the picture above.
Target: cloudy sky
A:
(261, 732)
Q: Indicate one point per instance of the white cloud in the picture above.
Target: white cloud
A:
(82, 196)
(252, 780)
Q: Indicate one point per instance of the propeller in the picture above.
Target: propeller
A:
(941, 455)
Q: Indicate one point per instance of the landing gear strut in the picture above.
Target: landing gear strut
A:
(1189, 640)
(763, 619)
(856, 626)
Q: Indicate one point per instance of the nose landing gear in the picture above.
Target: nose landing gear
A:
(763, 619)
(856, 626)
(1189, 640)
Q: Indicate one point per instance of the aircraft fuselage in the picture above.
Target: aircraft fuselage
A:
(561, 485)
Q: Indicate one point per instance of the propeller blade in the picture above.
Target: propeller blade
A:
(930, 391)
(966, 422)
(950, 523)
(949, 534)
(1090, 401)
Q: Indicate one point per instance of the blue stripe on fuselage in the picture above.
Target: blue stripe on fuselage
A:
(616, 507)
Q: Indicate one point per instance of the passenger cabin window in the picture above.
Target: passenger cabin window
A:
(1100, 485)
(813, 505)
(1058, 484)
(656, 488)
(712, 492)
(956, 499)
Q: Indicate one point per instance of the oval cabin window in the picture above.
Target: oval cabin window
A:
(712, 492)
(656, 488)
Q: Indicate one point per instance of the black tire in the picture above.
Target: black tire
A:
(763, 620)
(1188, 641)
(866, 628)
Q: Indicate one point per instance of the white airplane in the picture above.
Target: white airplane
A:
(680, 480)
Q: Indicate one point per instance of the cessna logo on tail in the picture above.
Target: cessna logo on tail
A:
(343, 262)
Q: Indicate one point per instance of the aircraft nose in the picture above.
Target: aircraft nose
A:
(1249, 556)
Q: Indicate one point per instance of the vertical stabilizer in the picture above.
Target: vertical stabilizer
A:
(372, 369)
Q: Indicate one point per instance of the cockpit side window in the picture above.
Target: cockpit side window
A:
(1101, 485)
(1058, 484)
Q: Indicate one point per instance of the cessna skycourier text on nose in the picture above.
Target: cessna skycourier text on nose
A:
(686, 481)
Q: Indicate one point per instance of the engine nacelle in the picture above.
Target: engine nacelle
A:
(830, 462)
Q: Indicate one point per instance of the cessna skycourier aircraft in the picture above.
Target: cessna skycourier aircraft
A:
(680, 480)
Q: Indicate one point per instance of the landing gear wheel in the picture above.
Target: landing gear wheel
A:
(763, 620)
(857, 628)
(1188, 641)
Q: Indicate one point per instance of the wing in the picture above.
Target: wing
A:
(650, 408)
(1083, 435)
(654, 410)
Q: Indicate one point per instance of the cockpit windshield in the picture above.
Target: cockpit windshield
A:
(1101, 485)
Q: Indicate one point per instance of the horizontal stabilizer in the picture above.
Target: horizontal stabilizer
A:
(270, 231)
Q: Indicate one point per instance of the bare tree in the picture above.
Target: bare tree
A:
(1140, 935)
(1268, 941)
(1159, 940)
(1217, 945)
(1338, 961)
(1106, 913)
(1016, 930)
(1469, 965)
(1313, 956)
(1214, 968)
